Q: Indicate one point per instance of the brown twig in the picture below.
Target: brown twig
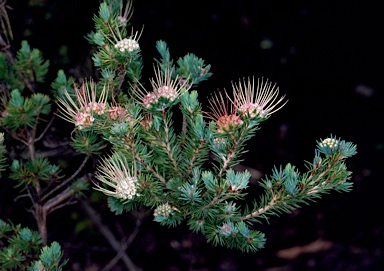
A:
(70, 178)
(53, 202)
(126, 245)
(46, 128)
(261, 211)
(106, 232)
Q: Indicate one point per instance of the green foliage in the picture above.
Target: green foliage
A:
(50, 259)
(23, 119)
(193, 67)
(79, 186)
(115, 61)
(286, 190)
(26, 70)
(166, 62)
(186, 174)
(31, 171)
(87, 143)
(31, 64)
(190, 67)
(24, 112)
(21, 249)
(236, 235)
(62, 84)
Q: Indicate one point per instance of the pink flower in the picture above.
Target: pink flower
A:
(81, 108)
(164, 90)
(223, 113)
(119, 113)
(226, 229)
(260, 102)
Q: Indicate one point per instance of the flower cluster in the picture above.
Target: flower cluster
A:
(163, 210)
(84, 119)
(146, 122)
(165, 90)
(114, 173)
(123, 18)
(127, 45)
(223, 113)
(150, 98)
(81, 110)
(95, 107)
(226, 229)
(118, 113)
(226, 123)
(330, 143)
(247, 103)
(260, 103)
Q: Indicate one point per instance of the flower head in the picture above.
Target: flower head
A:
(129, 44)
(330, 143)
(115, 173)
(125, 16)
(163, 210)
(260, 103)
(119, 113)
(223, 113)
(82, 108)
(226, 229)
(146, 122)
(165, 90)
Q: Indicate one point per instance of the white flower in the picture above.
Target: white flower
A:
(329, 142)
(115, 173)
(163, 210)
(256, 103)
(127, 45)
(80, 109)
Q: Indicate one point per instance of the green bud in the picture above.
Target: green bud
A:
(104, 12)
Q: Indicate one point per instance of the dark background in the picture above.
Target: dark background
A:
(327, 58)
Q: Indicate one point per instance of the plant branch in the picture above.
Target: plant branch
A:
(108, 235)
(167, 146)
(17, 138)
(125, 246)
(70, 178)
(62, 205)
(7, 26)
(194, 156)
(216, 200)
(46, 128)
(121, 81)
(263, 210)
(275, 198)
(148, 167)
(232, 152)
(50, 204)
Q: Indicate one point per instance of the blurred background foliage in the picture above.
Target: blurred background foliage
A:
(326, 56)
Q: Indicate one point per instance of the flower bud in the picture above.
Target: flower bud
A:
(163, 210)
